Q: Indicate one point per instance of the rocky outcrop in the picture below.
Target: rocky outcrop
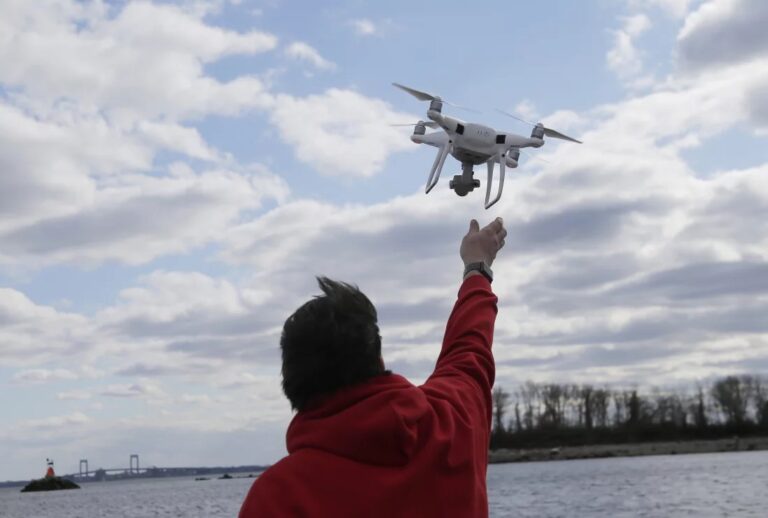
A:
(49, 484)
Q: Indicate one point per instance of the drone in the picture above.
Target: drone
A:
(472, 144)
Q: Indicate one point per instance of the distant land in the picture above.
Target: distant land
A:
(599, 451)
(101, 476)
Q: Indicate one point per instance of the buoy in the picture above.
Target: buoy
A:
(49, 473)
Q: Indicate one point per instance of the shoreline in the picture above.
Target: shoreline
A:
(601, 451)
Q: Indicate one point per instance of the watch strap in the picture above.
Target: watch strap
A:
(480, 267)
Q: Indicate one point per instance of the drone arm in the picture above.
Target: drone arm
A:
(501, 159)
(437, 117)
(449, 124)
(437, 166)
(436, 139)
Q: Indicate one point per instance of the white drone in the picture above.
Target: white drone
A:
(472, 144)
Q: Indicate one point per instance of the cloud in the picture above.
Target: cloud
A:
(624, 58)
(340, 132)
(54, 50)
(723, 32)
(32, 334)
(80, 139)
(527, 110)
(75, 419)
(363, 27)
(181, 298)
(133, 390)
(175, 137)
(140, 217)
(43, 375)
(301, 51)
(73, 395)
(81, 131)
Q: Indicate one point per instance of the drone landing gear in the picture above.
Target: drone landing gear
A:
(464, 183)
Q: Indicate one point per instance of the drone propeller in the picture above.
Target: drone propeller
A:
(547, 131)
(424, 96)
(418, 94)
(428, 124)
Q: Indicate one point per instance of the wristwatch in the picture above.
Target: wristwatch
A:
(480, 267)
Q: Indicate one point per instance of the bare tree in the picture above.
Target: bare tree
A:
(529, 395)
(699, 408)
(760, 398)
(555, 398)
(600, 400)
(500, 402)
(730, 396)
(587, 404)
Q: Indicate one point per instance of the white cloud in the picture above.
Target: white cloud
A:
(93, 95)
(136, 218)
(169, 297)
(73, 395)
(624, 58)
(34, 335)
(146, 61)
(56, 422)
(527, 110)
(175, 137)
(43, 375)
(303, 52)
(340, 132)
(364, 27)
(146, 390)
(197, 399)
(722, 33)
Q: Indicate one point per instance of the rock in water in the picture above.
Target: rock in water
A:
(49, 484)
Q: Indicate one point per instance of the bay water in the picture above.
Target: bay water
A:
(704, 485)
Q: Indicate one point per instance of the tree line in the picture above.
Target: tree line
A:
(552, 414)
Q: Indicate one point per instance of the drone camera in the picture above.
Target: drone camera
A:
(462, 186)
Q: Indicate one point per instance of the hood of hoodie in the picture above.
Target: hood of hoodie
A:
(375, 422)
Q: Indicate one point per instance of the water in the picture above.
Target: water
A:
(717, 484)
(171, 497)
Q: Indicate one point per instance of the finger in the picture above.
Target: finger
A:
(496, 225)
(474, 226)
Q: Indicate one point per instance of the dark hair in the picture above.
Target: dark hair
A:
(329, 343)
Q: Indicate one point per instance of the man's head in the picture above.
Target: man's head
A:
(329, 343)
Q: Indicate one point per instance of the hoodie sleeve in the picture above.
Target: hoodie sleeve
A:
(465, 369)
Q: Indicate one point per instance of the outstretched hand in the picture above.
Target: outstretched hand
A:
(483, 245)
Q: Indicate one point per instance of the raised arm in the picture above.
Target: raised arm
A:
(465, 368)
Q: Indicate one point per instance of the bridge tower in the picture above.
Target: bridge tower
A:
(83, 462)
(134, 456)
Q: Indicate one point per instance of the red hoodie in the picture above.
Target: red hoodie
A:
(388, 448)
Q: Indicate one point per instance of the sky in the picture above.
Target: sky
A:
(174, 174)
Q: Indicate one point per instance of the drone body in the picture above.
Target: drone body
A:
(472, 144)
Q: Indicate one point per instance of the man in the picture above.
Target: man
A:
(366, 442)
